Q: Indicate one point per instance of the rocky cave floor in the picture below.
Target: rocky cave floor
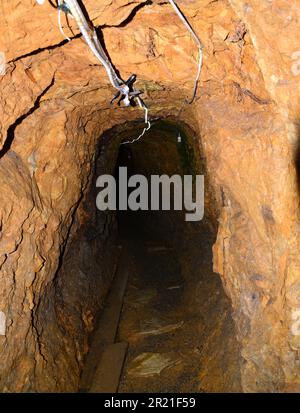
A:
(176, 317)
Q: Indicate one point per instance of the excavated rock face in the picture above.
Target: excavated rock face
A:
(54, 111)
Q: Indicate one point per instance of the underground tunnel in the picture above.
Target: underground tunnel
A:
(144, 298)
(174, 332)
(166, 301)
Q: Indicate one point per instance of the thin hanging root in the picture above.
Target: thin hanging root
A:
(60, 26)
(200, 64)
(60, 3)
(197, 40)
(147, 122)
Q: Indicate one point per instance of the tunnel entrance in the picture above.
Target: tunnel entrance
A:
(176, 317)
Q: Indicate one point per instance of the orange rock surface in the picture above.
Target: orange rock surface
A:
(54, 105)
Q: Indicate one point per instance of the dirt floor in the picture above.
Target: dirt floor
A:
(176, 318)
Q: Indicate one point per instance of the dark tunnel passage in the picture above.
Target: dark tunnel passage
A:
(163, 152)
(175, 315)
(114, 300)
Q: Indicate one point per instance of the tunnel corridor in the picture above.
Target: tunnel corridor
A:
(175, 315)
(210, 305)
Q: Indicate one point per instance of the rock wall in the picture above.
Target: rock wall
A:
(54, 106)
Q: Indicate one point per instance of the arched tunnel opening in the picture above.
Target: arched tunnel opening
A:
(174, 317)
